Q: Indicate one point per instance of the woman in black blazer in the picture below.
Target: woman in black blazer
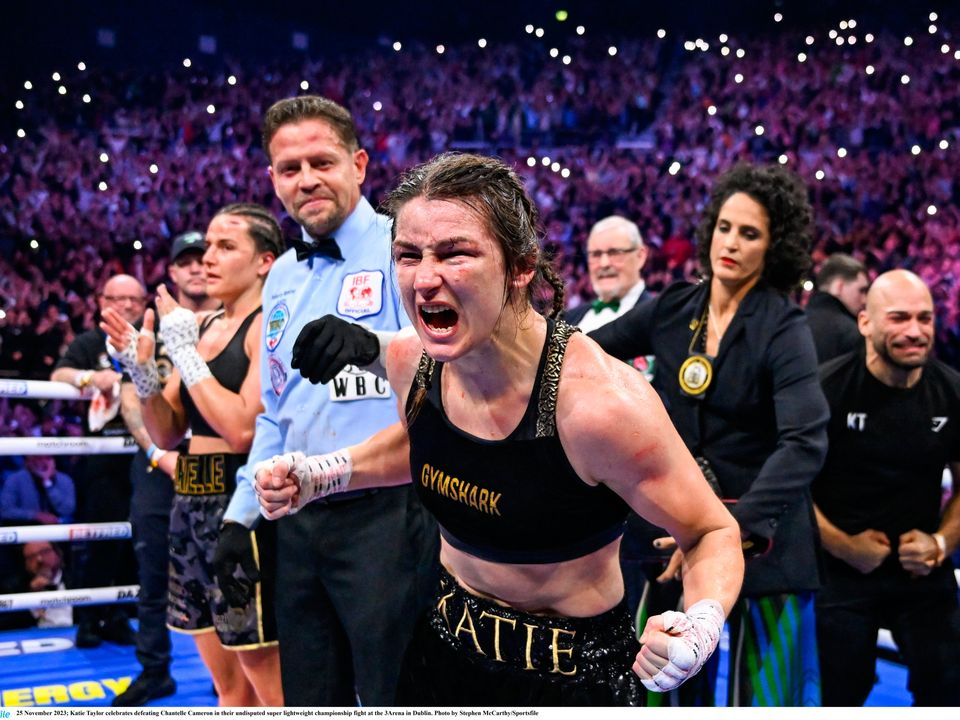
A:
(737, 370)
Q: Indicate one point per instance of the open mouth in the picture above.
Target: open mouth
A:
(438, 318)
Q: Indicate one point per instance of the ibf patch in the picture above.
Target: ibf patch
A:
(276, 323)
(361, 294)
(278, 374)
(352, 383)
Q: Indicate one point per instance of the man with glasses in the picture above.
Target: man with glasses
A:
(103, 481)
(615, 256)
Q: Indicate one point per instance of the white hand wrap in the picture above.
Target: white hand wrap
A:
(316, 476)
(696, 634)
(180, 337)
(145, 377)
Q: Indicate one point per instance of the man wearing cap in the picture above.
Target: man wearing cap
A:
(153, 494)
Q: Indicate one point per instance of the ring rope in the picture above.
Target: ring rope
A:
(41, 390)
(70, 532)
(60, 598)
(116, 445)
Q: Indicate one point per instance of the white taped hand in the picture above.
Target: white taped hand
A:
(180, 334)
(695, 635)
(313, 477)
(145, 377)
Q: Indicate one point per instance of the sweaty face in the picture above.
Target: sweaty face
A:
(315, 176)
(451, 274)
(741, 238)
(231, 262)
(614, 263)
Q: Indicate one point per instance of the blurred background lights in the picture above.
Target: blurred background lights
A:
(555, 166)
(538, 32)
(56, 77)
(843, 24)
(808, 285)
(820, 175)
(232, 80)
(398, 46)
(738, 78)
(851, 24)
(689, 45)
(21, 133)
(211, 109)
(852, 39)
(758, 130)
(674, 168)
(86, 97)
(870, 69)
(62, 90)
(545, 160)
(18, 104)
(783, 159)
(802, 57)
(562, 15)
(956, 55)
(777, 17)
(529, 29)
(840, 41)
(944, 144)
(81, 66)
(841, 152)
(377, 106)
(905, 79)
(27, 85)
(581, 29)
(661, 33)
(723, 37)
(741, 52)
(154, 168)
(931, 209)
(304, 85)
(932, 29)
(440, 49)
(711, 110)
(566, 59)
(944, 48)
(810, 40)
(724, 51)
(565, 173)
(531, 161)
(554, 52)
(933, 17)
(915, 150)
(187, 63)
(612, 50)
(908, 41)
(868, 37)
(137, 245)
(482, 42)
(102, 185)
(832, 34)
(34, 245)
(104, 157)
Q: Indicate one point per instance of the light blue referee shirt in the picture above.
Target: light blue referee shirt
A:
(355, 404)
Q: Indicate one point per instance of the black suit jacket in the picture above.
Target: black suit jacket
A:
(761, 424)
(834, 329)
(577, 314)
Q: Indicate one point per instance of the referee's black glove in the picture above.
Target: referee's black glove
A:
(326, 346)
(235, 550)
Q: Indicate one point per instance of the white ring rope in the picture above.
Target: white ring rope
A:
(41, 390)
(60, 598)
(117, 445)
(76, 532)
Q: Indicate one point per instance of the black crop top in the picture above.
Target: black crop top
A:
(229, 368)
(515, 500)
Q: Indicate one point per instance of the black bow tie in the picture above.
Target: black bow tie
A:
(327, 247)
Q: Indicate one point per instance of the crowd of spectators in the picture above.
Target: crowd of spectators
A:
(637, 127)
